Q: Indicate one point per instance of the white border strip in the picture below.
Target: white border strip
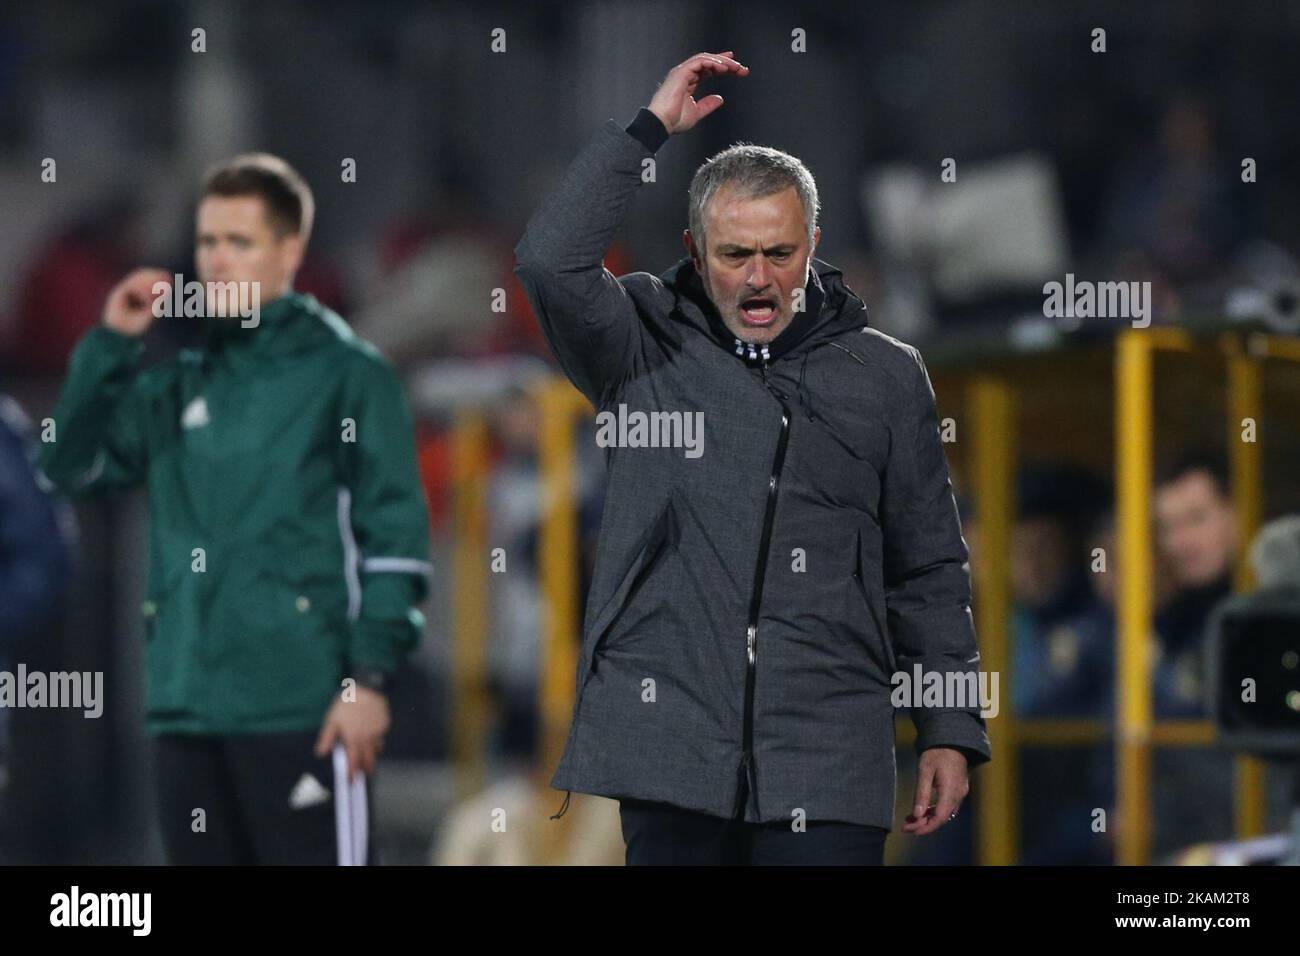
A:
(398, 565)
(350, 554)
(91, 474)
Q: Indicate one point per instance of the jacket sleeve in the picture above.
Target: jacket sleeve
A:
(588, 318)
(927, 569)
(385, 518)
(100, 421)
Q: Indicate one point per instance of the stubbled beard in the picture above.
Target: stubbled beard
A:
(735, 324)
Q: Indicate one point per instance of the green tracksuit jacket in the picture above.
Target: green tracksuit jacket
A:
(289, 539)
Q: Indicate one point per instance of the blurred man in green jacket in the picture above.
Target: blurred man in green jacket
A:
(289, 535)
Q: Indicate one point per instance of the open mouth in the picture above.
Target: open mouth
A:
(760, 310)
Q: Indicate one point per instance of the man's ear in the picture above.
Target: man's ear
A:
(812, 250)
(292, 250)
(689, 242)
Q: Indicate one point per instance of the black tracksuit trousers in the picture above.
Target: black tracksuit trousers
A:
(265, 799)
(659, 834)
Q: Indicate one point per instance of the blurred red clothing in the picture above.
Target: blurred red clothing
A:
(63, 296)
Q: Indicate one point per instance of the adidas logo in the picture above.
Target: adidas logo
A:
(195, 414)
(307, 792)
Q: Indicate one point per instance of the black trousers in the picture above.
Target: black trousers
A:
(659, 834)
(266, 799)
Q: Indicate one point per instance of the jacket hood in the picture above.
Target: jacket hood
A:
(832, 308)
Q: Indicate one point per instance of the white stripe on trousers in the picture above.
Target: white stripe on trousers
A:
(350, 811)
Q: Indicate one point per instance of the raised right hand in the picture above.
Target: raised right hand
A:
(129, 307)
(674, 103)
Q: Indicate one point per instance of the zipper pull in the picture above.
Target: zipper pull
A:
(769, 386)
(564, 806)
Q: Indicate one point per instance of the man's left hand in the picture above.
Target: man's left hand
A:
(360, 724)
(943, 769)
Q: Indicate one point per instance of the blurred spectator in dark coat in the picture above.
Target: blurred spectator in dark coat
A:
(1171, 201)
(1063, 657)
(34, 563)
(1063, 660)
(1197, 534)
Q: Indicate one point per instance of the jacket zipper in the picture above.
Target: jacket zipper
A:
(747, 772)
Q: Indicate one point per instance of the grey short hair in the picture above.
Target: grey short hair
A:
(754, 171)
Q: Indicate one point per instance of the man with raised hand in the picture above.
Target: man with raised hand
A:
(289, 535)
(751, 604)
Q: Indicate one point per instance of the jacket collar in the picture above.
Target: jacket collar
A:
(230, 333)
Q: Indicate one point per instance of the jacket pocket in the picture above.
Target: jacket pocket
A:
(875, 605)
(169, 634)
(308, 604)
(317, 589)
(163, 584)
(661, 536)
(285, 639)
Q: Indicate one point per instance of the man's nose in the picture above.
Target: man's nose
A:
(758, 275)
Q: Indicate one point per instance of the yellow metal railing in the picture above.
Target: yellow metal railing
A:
(470, 705)
(992, 404)
(1134, 453)
(559, 404)
(1135, 604)
(1245, 401)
